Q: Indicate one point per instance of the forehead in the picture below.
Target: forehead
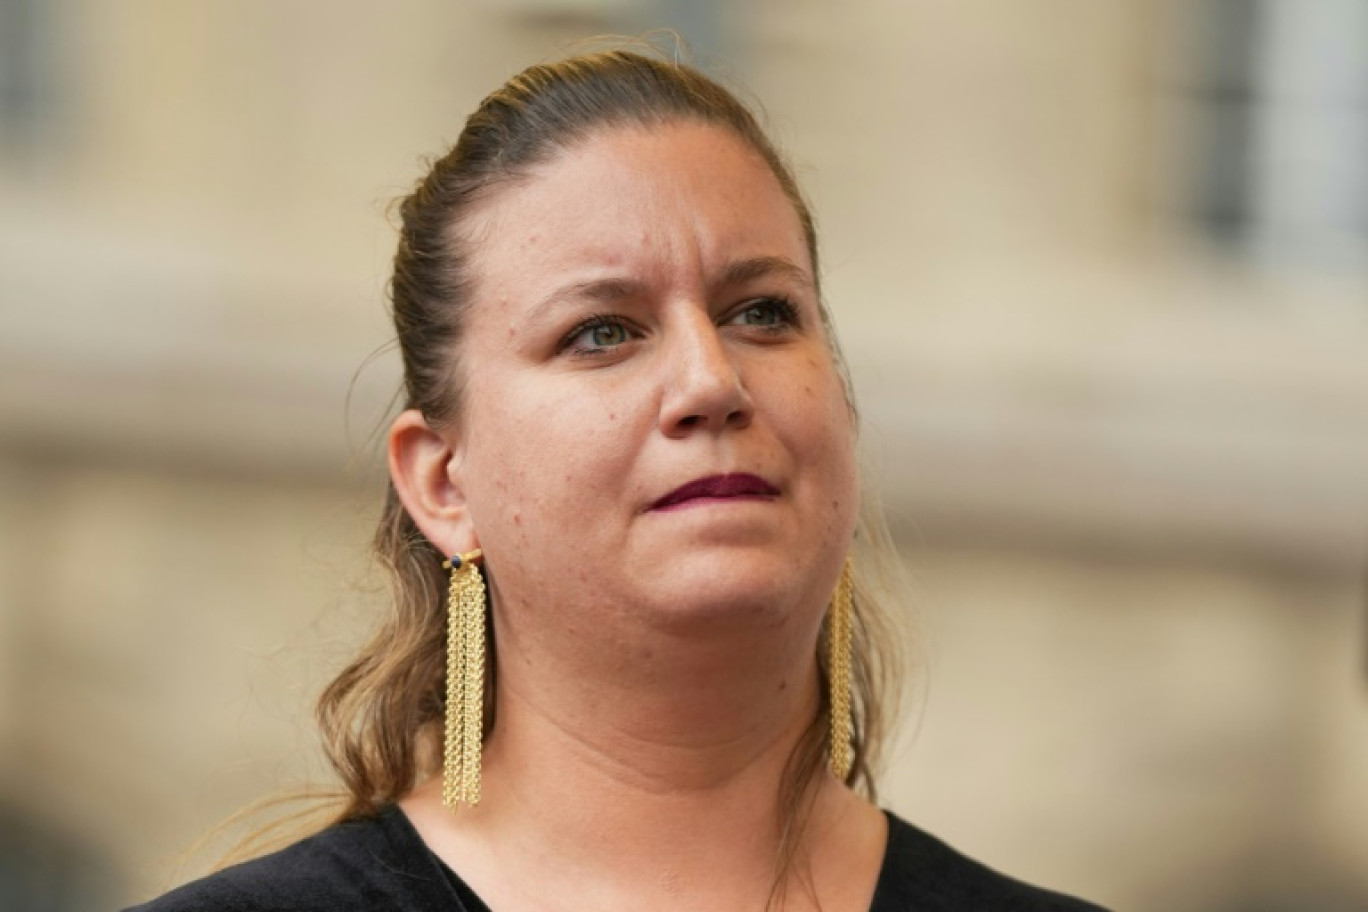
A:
(654, 202)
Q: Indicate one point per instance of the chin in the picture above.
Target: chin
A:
(731, 591)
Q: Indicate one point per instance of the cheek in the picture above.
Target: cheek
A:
(539, 462)
(508, 471)
(826, 428)
(823, 407)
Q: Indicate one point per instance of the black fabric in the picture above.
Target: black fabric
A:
(382, 864)
(463, 892)
(924, 874)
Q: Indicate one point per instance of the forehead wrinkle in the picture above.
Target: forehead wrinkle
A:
(668, 251)
(616, 289)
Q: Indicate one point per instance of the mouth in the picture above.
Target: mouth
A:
(715, 488)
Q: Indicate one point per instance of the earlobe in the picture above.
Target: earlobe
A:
(424, 466)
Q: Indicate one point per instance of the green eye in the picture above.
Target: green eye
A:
(606, 335)
(768, 313)
(597, 334)
(760, 315)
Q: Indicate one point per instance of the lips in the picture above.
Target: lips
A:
(717, 487)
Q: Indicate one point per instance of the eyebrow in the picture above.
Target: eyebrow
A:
(619, 289)
(614, 289)
(742, 271)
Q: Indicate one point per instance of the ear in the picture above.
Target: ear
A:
(425, 468)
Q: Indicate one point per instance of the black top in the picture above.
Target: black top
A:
(381, 863)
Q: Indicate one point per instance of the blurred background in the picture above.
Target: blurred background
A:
(1101, 270)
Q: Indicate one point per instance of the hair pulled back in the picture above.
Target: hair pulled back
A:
(381, 716)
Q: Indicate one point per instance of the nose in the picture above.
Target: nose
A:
(702, 385)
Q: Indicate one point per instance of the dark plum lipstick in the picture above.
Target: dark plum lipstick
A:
(717, 487)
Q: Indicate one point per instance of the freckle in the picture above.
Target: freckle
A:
(783, 685)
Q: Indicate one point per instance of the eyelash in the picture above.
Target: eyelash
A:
(783, 308)
(584, 326)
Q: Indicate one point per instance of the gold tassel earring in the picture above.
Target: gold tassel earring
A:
(838, 673)
(465, 682)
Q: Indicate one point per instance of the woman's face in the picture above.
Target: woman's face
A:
(652, 423)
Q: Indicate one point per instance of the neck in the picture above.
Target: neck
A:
(617, 782)
(662, 712)
(599, 762)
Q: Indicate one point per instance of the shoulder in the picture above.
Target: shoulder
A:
(922, 872)
(372, 863)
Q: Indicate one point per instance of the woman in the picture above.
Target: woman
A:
(630, 443)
